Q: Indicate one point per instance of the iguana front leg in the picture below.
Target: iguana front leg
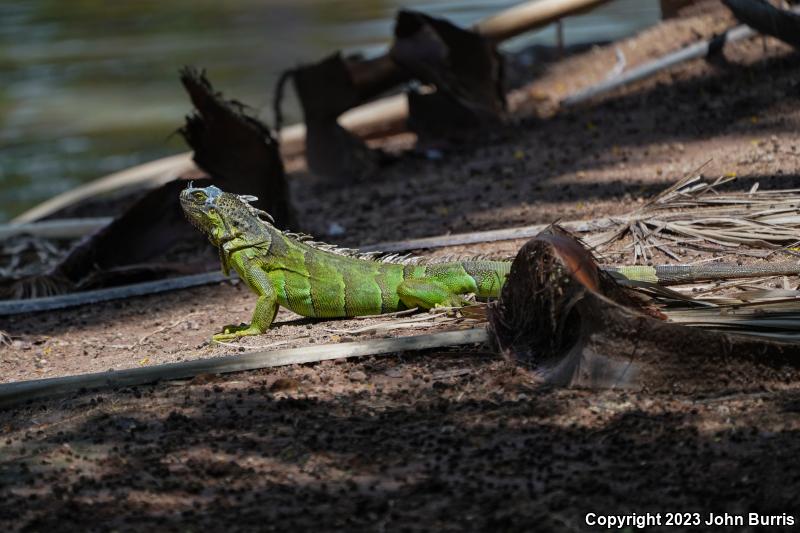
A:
(266, 307)
(427, 293)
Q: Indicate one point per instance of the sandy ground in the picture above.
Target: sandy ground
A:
(438, 441)
(455, 440)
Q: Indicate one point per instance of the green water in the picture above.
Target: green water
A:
(88, 87)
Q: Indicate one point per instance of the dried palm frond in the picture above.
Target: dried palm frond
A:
(692, 213)
(754, 311)
(26, 255)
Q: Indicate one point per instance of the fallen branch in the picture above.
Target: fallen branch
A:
(67, 228)
(15, 393)
(646, 70)
(155, 173)
(62, 301)
(456, 239)
(529, 15)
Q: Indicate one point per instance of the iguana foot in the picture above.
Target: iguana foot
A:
(456, 300)
(451, 306)
(229, 333)
(427, 293)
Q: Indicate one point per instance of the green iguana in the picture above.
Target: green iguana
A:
(322, 281)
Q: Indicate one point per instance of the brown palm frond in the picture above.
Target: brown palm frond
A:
(693, 213)
(754, 310)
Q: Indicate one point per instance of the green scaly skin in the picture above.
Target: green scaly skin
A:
(319, 283)
(314, 282)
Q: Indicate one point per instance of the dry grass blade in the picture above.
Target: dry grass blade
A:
(754, 311)
(694, 213)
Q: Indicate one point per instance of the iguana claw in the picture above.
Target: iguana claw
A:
(234, 332)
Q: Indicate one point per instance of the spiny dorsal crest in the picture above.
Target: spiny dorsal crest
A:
(247, 200)
(383, 257)
(380, 257)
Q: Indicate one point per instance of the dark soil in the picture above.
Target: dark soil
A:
(453, 440)
(439, 441)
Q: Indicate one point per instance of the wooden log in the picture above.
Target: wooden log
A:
(15, 393)
(529, 15)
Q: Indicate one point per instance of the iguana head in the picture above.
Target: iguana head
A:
(222, 216)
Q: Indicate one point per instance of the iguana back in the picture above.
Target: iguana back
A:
(321, 283)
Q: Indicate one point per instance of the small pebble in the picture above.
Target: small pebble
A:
(357, 375)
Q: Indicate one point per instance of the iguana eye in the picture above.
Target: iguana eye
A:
(199, 195)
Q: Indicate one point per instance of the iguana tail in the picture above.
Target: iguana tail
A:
(677, 274)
